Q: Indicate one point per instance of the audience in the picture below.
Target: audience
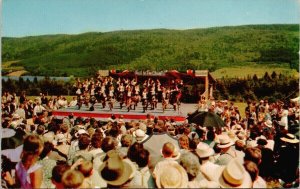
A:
(74, 152)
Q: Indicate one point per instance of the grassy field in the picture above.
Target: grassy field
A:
(242, 107)
(259, 70)
(12, 69)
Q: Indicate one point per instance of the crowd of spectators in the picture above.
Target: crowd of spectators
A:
(42, 151)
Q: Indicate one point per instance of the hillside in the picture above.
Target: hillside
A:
(160, 49)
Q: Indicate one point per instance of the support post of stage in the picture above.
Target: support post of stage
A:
(204, 74)
(206, 87)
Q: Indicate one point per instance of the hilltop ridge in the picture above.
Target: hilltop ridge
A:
(156, 49)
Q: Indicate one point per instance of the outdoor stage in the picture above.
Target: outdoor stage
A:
(103, 114)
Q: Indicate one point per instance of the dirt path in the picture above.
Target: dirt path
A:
(17, 73)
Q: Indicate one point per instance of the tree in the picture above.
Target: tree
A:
(255, 78)
(273, 75)
(267, 77)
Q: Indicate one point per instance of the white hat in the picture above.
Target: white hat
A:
(281, 123)
(7, 133)
(233, 175)
(61, 138)
(121, 120)
(232, 135)
(290, 138)
(268, 123)
(16, 116)
(241, 136)
(171, 130)
(111, 120)
(224, 141)
(80, 126)
(203, 150)
(49, 137)
(143, 126)
(140, 135)
(171, 175)
(80, 132)
(193, 133)
(238, 127)
(261, 137)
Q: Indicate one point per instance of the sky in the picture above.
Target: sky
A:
(40, 17)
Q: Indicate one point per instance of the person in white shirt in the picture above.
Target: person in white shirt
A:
(38, 108)
(284, 117)
(205, 152)
(73, 102)
(21, 112)
(61, 102)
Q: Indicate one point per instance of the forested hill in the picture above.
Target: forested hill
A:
(159, 49)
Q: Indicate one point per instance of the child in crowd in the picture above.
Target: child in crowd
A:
(72, 179)
(86, 168)
(57, 173)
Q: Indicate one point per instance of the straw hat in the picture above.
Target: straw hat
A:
(140, 135)
(203, 150)
(290, 138)
(225, 141)
(268, 123)
(171, 175)
(234, 175)
(116, 171)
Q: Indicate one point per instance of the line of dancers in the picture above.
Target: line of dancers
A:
(128, 93)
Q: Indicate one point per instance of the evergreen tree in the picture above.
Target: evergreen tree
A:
(267, 77)
(255, 78)
(274, 75)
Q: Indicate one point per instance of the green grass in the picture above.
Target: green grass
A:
(241, 106)
(11, 67)
(69, 98)
(259, 70)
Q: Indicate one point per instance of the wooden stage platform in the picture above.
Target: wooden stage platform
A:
(104, 113)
